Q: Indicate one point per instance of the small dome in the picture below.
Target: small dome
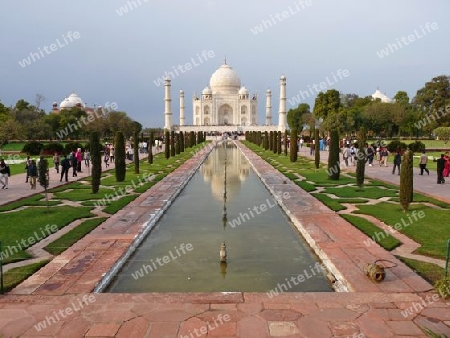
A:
(225, 80)
(243, 91)
(283, 77)
(268, 91)
(66, 103)
(76, 100)
(207, 91)
(381, 96)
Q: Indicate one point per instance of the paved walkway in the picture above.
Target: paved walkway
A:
(18, 189)
(60, 295)
(426, 184)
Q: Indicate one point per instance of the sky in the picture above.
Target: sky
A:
(113, 51)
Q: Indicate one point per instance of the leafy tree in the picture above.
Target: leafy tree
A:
(296, 117)
(10, 130)
(119, 157)
(96, 160)
(361, 161)
(406, 180)
(443, 133)
(136, 151)
(402, 98)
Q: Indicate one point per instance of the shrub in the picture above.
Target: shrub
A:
(395, 145)
(71, 146)
(51, 148)
(416, 147)
(33, 148)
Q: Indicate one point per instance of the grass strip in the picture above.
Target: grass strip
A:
(73, 236)
(15, 276)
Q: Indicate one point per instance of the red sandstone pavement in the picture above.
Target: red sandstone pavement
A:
(54, 293)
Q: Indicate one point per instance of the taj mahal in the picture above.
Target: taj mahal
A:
(225, 105)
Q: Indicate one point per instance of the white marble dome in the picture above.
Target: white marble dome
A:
(243, 91)
(381, 96)
(75, 99)
(225, 80)
(65, 104)
(207, 91)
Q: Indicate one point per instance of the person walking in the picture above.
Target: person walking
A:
(74, 163)
(33, 174)
(384, 157)
(440, 165)
(397, 162)
(423, 163)
(65, 166)
(87, 158)
(79, 157)
(370, 154)
(27, 165)
(4, 174)
(346, 154)
(56, 162)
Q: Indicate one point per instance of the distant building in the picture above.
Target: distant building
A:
(70, 102)
(381, 96)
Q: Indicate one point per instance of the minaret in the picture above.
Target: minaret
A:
(167, 105)
(268, 108)
(181, 108)
(282, 109)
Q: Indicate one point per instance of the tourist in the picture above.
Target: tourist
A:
(56, 162)
(74, 163)
(87, 158)
(352, 154)
(65, 166)
(397, 162)
(106, 159)
(384, 157)
(313, 147)
(301, 142)
(4, 174)
(423, 163)
(33, 172)
(79, 157)
(111, 154)
(27, 165)
(440, 165)
(370, 154)
(446, 171)
(346, 154)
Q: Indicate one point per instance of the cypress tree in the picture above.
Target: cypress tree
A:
(172, 143)
(286, 142)
(271, 141)
(43, 177)
(167, 144)
(361, 158)
(334, 169)
(266, 140)
(96, 160)
(316, 146)
(119, 157)
(279, 142)
(406, 180)
(136, 152)
(181, 142)
(150, 149)
(293, 149)
(274, 141)
(177, 144)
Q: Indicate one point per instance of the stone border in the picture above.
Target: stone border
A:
(338, 282)
(148, 226)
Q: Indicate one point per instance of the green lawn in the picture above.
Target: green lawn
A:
(431, 231)
(21, 229)
(68, 239)
(431, 272)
